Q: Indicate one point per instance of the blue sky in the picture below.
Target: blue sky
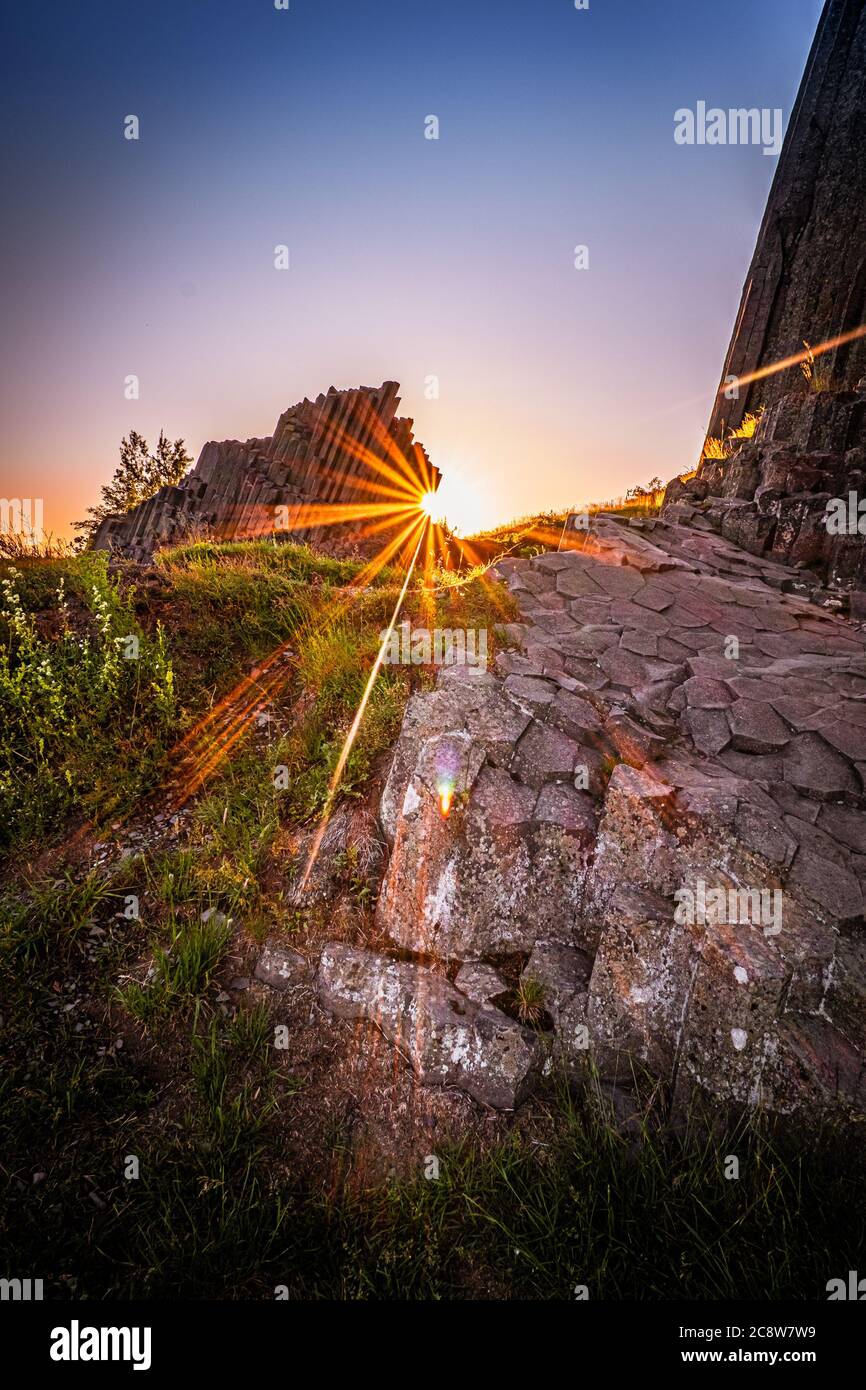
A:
(410, 258)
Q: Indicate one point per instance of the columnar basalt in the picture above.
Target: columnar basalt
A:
(345, 449)
(807, 279)
(806, 285)
(781, 493)
(660, 812)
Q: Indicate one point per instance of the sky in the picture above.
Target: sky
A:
(409, 258)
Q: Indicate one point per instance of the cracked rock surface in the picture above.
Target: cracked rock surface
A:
(659, 806)
(448, 1038)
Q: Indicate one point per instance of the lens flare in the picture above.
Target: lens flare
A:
(428, 504)
(446, 797)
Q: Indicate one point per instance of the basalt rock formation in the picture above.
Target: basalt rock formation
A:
(658, 814)
(346, 449)
(780, 494)
(656, 844)
(806, 285)
(807, 279)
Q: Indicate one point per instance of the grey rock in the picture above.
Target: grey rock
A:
(479, 981)
(706, 694)
(817, 770)
(562, 805)
(574, 715)
(544, 755)
(829, 884)
(447, 1038)
(530, 692)
(281, 967)
(709, 729)
(756, 728)
(563, 973)
(639, 985)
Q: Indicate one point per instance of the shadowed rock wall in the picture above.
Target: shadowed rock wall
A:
(807, 279)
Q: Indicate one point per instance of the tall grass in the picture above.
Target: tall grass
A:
(81, 709)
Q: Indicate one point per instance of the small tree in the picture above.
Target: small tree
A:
(138, 476)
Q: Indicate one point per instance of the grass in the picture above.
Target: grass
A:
(530, 1000)
(86, 696)
(182, 969)
(117, 1041)
(721, 448)
(85, 729)
(47, 920)
(214, 1214)
(565, 1199)
(815, 379)
(290, 560)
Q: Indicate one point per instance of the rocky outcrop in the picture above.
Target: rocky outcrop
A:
(332, 452)
(659, 810)
(807, 279)
(806, 285)
(448, 1038)
(787, 492)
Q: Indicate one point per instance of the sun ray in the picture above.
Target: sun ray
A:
(337, 774)
(797, 358)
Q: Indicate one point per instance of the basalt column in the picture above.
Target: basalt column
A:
(347, 449)
(807, 280)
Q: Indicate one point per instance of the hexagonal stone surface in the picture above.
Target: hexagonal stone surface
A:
(513, 664)
(573, 715)
(644, 643)
(830, 885)
(560, 804)
(654, 597)
(709, 729)
(765, 834)
(800, 710)
(760, 767)
(530, 692)
(845, 825)
(756, 727)
(553, 562)
(588, 673)
(701, 693)
(574, 583)
(848, 738)
(617, 581)
(554, 622)
(630, 669)
(816, 769)
(545, 755)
